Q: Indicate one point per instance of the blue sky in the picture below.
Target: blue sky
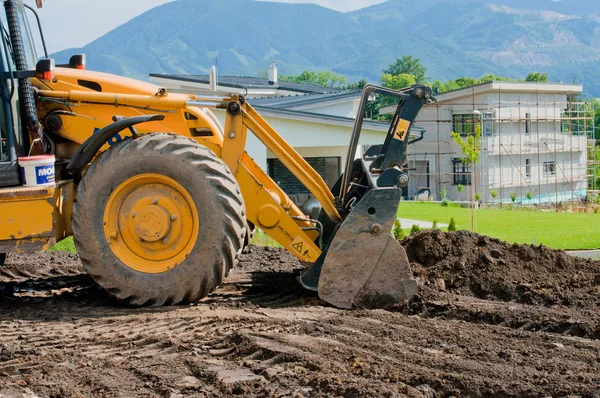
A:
(75, 23)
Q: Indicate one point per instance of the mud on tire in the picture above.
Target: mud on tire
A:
(214, 192)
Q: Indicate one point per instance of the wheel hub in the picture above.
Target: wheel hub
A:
(152, 223)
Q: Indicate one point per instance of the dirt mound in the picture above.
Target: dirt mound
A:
(267, 259)
(466, 263)
(260, 334)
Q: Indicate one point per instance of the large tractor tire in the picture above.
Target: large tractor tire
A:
(158, 220)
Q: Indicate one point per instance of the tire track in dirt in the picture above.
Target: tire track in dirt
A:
(260, 334)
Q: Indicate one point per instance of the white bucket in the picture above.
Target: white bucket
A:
(37, 171)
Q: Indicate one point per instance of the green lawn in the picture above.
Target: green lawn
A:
(574, 231)
(66, 245)
(556, 230)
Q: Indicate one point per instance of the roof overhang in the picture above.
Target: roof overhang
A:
(514, 87)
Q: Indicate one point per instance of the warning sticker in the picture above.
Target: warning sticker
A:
(304, 249)
(402, 129)
(298, 246)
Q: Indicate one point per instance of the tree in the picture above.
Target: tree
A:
(463, 82)
(322, 78)
(537, 77)
(471, 147)
(359, 85)
(407, 66)
(396, 82)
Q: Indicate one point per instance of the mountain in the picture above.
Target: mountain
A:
(453, 38)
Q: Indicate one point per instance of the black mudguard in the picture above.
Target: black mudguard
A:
(92, 145)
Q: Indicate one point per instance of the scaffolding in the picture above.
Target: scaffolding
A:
(537, 148)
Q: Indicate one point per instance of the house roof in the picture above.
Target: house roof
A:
(531, 87)
(292, 101)
(323, 118)
(245, 82)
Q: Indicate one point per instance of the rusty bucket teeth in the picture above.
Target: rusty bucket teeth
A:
(365, 267)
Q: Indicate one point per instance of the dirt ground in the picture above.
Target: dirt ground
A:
(493, 320)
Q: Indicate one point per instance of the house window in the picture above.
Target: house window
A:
(464, 124)
(488, 124)
(549, 169)
(461, 171)
(527, 168)
(527, 123)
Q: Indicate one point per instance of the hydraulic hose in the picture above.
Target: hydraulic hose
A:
(25, 88)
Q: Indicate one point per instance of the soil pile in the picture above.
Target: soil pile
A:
(261, 335)
(465, 263)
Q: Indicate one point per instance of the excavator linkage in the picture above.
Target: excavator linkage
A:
(362, 265)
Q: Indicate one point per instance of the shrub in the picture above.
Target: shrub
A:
(513, 196)
(415, 228)
(529, 195)
(452, 225)
(435, 225)
(460, 188)
(494, 194)
(443, 192)
(398, 231)
(445, 202)
(477, 196)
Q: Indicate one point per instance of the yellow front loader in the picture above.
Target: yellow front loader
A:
(160, 198)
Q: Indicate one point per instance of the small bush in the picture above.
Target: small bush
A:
(445, 202)
(452, 225)
(513, 196)
(477, 196)
(460, 188)
(443, 192)
(435, 225)
(494, 194)
(398, 231)
(415, 228)
(529, 195)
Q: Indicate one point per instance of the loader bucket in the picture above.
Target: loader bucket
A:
(365, 267)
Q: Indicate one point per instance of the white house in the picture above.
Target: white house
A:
(533, 143)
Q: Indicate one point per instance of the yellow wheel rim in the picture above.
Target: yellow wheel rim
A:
(151, 223)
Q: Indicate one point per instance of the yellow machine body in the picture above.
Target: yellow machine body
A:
(77, 103)
(34, 219)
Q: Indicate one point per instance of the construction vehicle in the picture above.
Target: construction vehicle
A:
(160, 198)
